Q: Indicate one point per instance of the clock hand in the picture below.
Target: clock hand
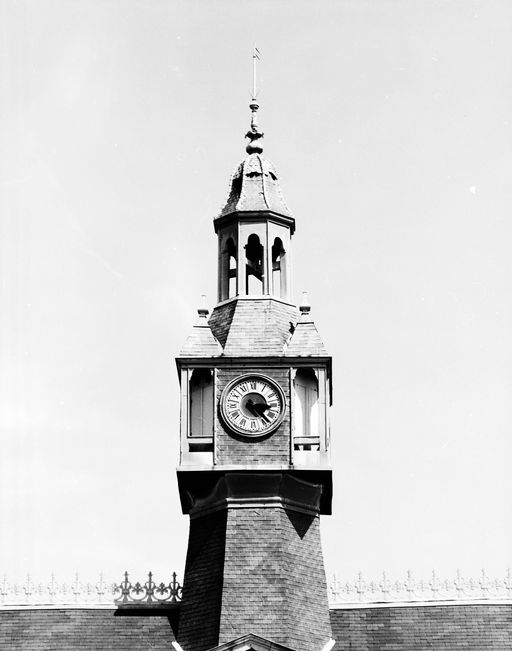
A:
(251, 407)
(258, 409)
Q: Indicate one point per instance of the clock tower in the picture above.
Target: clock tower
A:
(254, 473)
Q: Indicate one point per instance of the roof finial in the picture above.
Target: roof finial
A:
(202, 310)
(304, 307)
(254, 134)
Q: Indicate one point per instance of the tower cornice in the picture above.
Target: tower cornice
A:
(219, 487)
(254, 216)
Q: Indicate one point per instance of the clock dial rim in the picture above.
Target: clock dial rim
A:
(244, 432)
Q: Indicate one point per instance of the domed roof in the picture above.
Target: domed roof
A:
(254, 186)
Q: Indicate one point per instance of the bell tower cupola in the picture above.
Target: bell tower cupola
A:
(254, 228)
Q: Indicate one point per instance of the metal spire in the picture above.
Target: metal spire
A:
(255, 57)
(254, 134)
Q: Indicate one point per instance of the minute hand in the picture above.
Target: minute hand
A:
(261, 408)
(258, 409)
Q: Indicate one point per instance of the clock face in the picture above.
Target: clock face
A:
(253, 405)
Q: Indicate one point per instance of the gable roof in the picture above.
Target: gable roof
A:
(251, 642)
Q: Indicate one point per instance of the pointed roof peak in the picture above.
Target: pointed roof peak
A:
(305, 340)
(201, 341)
(254, 185)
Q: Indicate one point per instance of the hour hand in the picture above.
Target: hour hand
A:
(258, 408)
(251, 406)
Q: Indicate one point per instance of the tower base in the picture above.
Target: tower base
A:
(255, 565)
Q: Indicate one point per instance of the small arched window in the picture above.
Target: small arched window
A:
(254, 265)
(305, 385)
(201, 403)
(278, 269)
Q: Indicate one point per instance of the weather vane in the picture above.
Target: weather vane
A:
(255, 56)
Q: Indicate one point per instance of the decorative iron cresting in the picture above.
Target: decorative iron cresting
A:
(54, 593)
(361, 591)
(78, 593)
(411, 590)
(147, 594)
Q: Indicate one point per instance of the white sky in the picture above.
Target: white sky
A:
(121, 122)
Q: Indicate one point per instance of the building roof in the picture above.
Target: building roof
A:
(251, 642)
(253, 327)
(254, 186)
(201, 342)
(475, 627)
(87, 629)
(305, 340)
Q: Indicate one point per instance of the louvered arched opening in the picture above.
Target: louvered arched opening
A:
(279, 282)
(254, 265)
(231, 267)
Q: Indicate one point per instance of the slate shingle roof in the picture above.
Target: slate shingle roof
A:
(253, 327)
(255, 187)
(201, 342)
(87, 629)
(443, 627)
(305, 340)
